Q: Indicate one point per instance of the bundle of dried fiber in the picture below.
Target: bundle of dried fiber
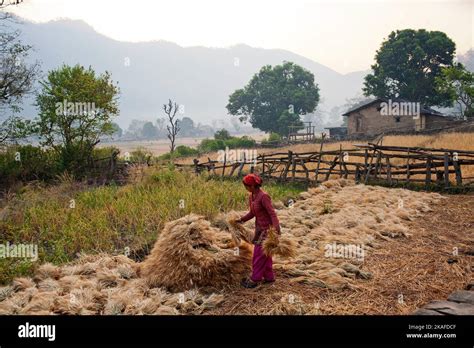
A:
(282, 246)
(240, 232)
(186, 256)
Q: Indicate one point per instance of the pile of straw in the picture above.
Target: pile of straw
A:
(190, 253)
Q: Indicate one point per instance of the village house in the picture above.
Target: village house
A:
(393, 116)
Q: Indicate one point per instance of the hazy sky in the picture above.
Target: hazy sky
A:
(342, 35)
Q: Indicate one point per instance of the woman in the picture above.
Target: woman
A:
(261, 208)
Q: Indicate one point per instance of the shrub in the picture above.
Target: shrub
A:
(208, 145)
(180, 151)
(222, 134)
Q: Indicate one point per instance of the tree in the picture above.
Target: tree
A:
(173, 128)
(149, 130)
(458, 83)
(116, 130)
(187, 126)
(222, 134)
(16, 76)
(275, 98)
(407, 65)
(15, 128)
(76, 107)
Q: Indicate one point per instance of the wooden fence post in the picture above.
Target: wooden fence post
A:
(196, 166)
(225, 160)
(446, 170)
(428, 171)
(389, 170)
(239, 173)
(287, 166)
(408, 165)
(457, 171)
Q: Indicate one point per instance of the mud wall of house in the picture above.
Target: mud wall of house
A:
(369, 121)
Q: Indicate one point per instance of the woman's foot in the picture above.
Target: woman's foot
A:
(268, 281)
(248, 283)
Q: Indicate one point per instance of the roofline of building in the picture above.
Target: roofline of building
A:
(423, 110)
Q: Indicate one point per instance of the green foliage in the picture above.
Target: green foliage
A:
(116, 130)
(110, 218)
(407, 65)
(458, 83)
(222, 134)
(15, 128)
(141, 155)
(149, 131)
(26, 163)
(180, 151)
(276, 97)
(76, 108)
(209, 145)
(272, 138)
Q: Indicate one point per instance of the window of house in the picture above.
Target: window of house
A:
(358, 124)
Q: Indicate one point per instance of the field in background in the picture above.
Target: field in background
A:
(161, 146)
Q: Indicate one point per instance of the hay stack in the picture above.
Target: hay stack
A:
(187, 255)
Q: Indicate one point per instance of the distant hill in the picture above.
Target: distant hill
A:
(200, 78)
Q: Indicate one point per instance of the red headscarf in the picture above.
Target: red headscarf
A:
(252, 180)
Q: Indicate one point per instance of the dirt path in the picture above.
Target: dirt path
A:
(437, 259)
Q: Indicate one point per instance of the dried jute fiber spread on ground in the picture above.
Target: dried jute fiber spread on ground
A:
(194, 262)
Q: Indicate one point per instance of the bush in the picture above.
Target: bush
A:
(222, 134)
(272, 138)
(208, 145)
(180, 151)
(27, 163)
(141, 155)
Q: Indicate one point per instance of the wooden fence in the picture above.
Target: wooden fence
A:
(392, 164)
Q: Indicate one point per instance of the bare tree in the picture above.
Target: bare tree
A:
(173, 128)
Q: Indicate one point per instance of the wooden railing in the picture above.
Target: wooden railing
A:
(363, 163)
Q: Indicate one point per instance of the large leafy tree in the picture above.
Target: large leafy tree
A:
(407, 65)
(17, 77)
(458, 83)
(275, 98)
(76, 107)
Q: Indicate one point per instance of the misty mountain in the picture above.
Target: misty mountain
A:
(149, 73)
